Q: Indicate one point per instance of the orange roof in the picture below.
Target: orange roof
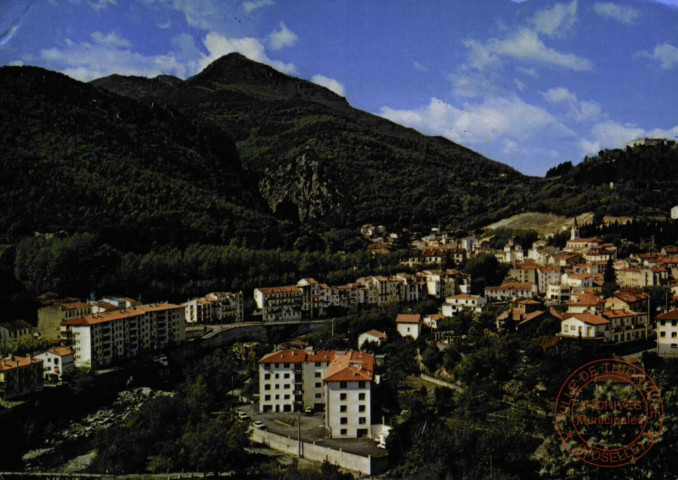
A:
(623, 313)
(155, 307)
(321, 356)
(408, 318)
(7, 364)
(104, 317)
(512, 286)
(589, 318)
(285, 356)
(587, 299)
(376, 334)
(274, 290)
(465, 296)
(61, 351)
(351, 367)
(672, 315)
(529, 301)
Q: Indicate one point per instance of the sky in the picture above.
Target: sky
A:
(529, 83)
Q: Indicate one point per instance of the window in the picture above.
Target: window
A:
(267, 387)
(344, 431)
(361, 396)
(287, 365)
(317, 364)
(342, 396)
(277, 397)
(342, 384)
(663, 334)
(267, 376)
(277, 375)
(674, 334)
(361, 408)
(361, 384)
(343, 420)
(287, 375)
(267, 397)
(342, 408)
(362, 420)
(286, 397)
(318, 395)
(317, 374)
(277, 386)
(318, 384)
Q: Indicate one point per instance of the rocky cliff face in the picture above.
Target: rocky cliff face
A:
(300, 190)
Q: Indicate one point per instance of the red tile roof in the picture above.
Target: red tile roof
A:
(274, 290)
(589, 318)
(375, 334)
(285, 356)
(672, 315)
(7, 364)
(408, 318)
(321, 356)
(351, 367)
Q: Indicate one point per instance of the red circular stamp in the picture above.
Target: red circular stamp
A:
(609, 413)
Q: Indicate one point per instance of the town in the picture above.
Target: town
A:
(582, 293)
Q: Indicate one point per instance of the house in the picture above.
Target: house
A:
(559, 293)
(528, 313)
(582, 245)
(51, 317)
(585, 326)
(56, 362)
(511, 291)
(626, 325)
(15, 331)
(433, 321)
(586, 303)
(279, 304)
(20, 376)
(631, 299)
(636, 277)
(463, 302)
(667, 334)
(408, 325)
(337, 381)
(373, 336)
(104, 339)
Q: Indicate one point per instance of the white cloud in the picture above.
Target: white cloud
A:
(111, 40)
(530, 72)
(520, 85)
(253, 5)
(620, 13)
(107, 55)
(419, 67)
(611, 134)
(525, 45)
(282, 38)
(575, 110)
(556, 20)
(94, 4)
(665, 54)
(217, 45)
(469, 84)
(496, 119)
(670, 3)
(330, 84)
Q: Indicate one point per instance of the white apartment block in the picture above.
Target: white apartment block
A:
(585, 326)
(104, 339)
(216, 307)
(279, 303)
(667, 334)
(56, 362)
(338, 382)
(626, 325)
(463, 302)
(511, 291)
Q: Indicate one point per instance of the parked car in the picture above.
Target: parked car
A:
(308, 410)
(259, 424)
(242, 415)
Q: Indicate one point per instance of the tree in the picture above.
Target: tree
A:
(609, 279)
(215, 445)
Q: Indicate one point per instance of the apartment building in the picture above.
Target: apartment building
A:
(338, 382)
(279, 303)
(667, 334)
(463, 302)
(585, 326)
(20, 376)
(51, 317)
(511, 291)
(15, 330)
(626, 325)
(216, 307)
(104, 339)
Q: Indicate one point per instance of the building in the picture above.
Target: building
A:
(626, 325)
(348, 386)
(104, 339)
(585, 326)
(51, 317)
(586, 303)
(373, 336)
(463, 302)
(217, 307)
(511, 291)
(20, 376)
(408, 325)
(56, 362)
(432, 321)
(15, 330)
(527, 314)
(338, 382)
(667, 334)
(630, 299)
(279, 304)
(636, 277)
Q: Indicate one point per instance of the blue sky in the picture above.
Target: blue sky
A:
(530, 83)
